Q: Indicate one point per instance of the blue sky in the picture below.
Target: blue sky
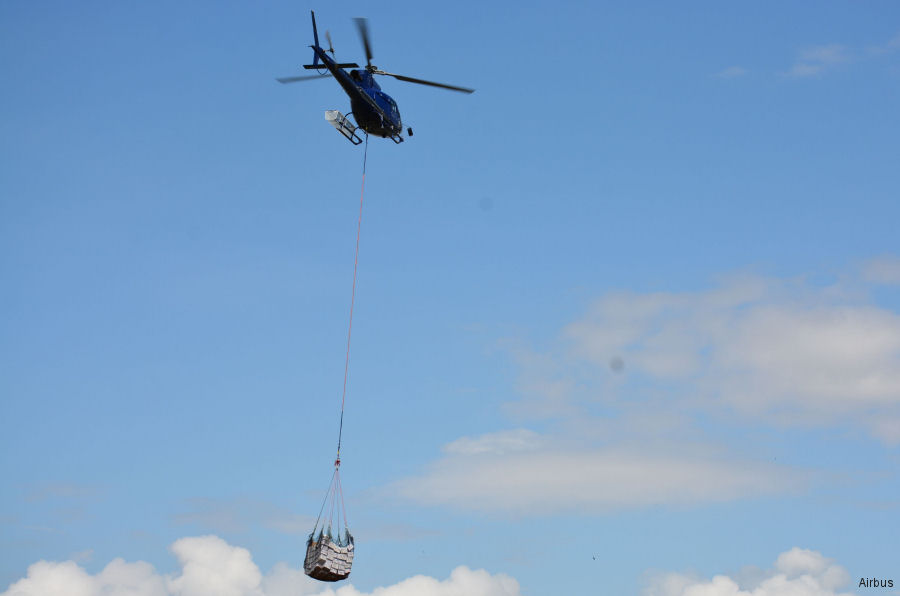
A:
(704, 193)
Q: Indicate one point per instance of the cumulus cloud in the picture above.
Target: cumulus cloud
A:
(797, 572)
(462, 580)
(118, 578)
(212, 567)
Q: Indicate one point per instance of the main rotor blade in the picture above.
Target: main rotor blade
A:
(424, 82)
(363, 26)
(306, 78)
(339, 65)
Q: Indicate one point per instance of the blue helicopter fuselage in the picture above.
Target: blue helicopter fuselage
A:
(374, 110)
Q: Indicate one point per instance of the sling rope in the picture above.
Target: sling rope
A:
(335, 485)
(324, 501)
(337, 461)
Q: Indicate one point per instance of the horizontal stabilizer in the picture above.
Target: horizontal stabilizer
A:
(340, 65)
(306, 78)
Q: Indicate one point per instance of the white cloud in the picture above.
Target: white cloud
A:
(731, 72)
(820, 360)
(284, 580)
(886, 428)
(549, 479)
(237, 515)
(797, 572)
(830, 54)
(462, 581)
(118, 578)
(752, 352)
(497, 443)
(63, 491)
(212, 567)
(883, 270)
(815, 60)
(894, 43)
(786, 353)
(82, 556)
(890, 46)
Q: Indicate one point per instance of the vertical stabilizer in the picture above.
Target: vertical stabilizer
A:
(315, 38)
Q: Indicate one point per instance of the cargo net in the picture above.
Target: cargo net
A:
(329, 554)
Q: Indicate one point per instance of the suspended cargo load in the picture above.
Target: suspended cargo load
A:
(328, 559)
(329, 556)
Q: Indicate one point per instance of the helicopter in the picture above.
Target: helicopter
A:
(374, 111)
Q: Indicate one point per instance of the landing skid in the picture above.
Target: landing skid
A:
(343, 125)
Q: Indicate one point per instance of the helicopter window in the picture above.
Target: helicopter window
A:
(354, 74)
